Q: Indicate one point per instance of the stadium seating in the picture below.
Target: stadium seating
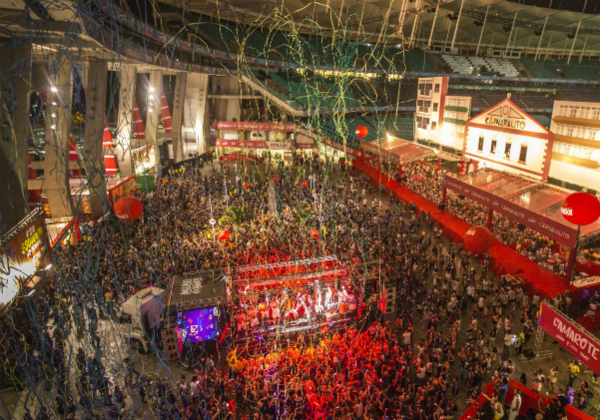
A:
(557, 69)
(470, 65)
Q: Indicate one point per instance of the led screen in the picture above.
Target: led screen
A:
(200, 324)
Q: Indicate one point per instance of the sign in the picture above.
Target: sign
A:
(305, 146)
(574, 338)
(121, 189)
(279, 145)
(505, 122)
(144, 158)
(21, 255)
(554, 230)
(248, 144)
(506, 116)
(580, 208)
(250, 126)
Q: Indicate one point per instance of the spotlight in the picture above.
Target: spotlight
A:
(53, 89)
(53, 103)
(53, 127)
(53, 115)
(151, 89)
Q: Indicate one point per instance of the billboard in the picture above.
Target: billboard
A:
(22, 251)
(571, 336)
(252, 126)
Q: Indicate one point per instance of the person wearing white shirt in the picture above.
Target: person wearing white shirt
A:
(515, 405)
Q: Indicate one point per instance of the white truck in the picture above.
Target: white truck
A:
(140, 314)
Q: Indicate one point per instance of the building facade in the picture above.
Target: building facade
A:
(576, 150)
(506, 138)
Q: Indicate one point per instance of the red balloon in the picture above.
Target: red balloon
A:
(361, 131)
(128, 208)
(224, 235)
(315, 234)
(478, 240)
(246, 185)
(305, 184)
(580, 208)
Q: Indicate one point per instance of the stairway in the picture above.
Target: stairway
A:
(170, 346)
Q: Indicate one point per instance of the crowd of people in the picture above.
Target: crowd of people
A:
(427, 180)
(455, 325)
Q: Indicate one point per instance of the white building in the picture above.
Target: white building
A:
(440, 119)
(506, 138)
(576, 150)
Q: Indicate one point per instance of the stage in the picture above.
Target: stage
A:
(505, 260)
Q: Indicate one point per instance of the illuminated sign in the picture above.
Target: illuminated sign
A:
(505, 122)
(21, 255)
(506, 116)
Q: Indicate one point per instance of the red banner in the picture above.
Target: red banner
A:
(350, 150)
(548, 227)
(578, 341)
(250, 126)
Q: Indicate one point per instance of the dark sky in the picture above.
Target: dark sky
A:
(593, 6)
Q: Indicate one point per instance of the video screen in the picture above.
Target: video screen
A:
(200, 324)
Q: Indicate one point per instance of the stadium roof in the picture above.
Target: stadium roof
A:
(564, 26)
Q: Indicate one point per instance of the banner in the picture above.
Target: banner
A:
(248, 144)
(548, 227)
(121, 189)
(350, 150)
(305, 146)
(279, 145)
(23, 249)
(574, 338)
(250, 126)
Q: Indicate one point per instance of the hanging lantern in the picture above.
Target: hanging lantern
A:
(224, 236)
(478, 240)
(314, 233)
(128, 209)
(305, 184)
(246, 185)
(145, 183)
(580, 208)
(361, 131)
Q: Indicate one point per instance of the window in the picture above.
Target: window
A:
(435, 107)
(523, 154)
(574, 111)
(437, 88)
(480, 145)
(595, 114)
(433, 125)
(493, 148)
(507, 148)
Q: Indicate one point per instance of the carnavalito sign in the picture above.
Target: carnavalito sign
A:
(574, 338)
(506, 122)
(21, 255)
(554, 230)
(250, 126)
